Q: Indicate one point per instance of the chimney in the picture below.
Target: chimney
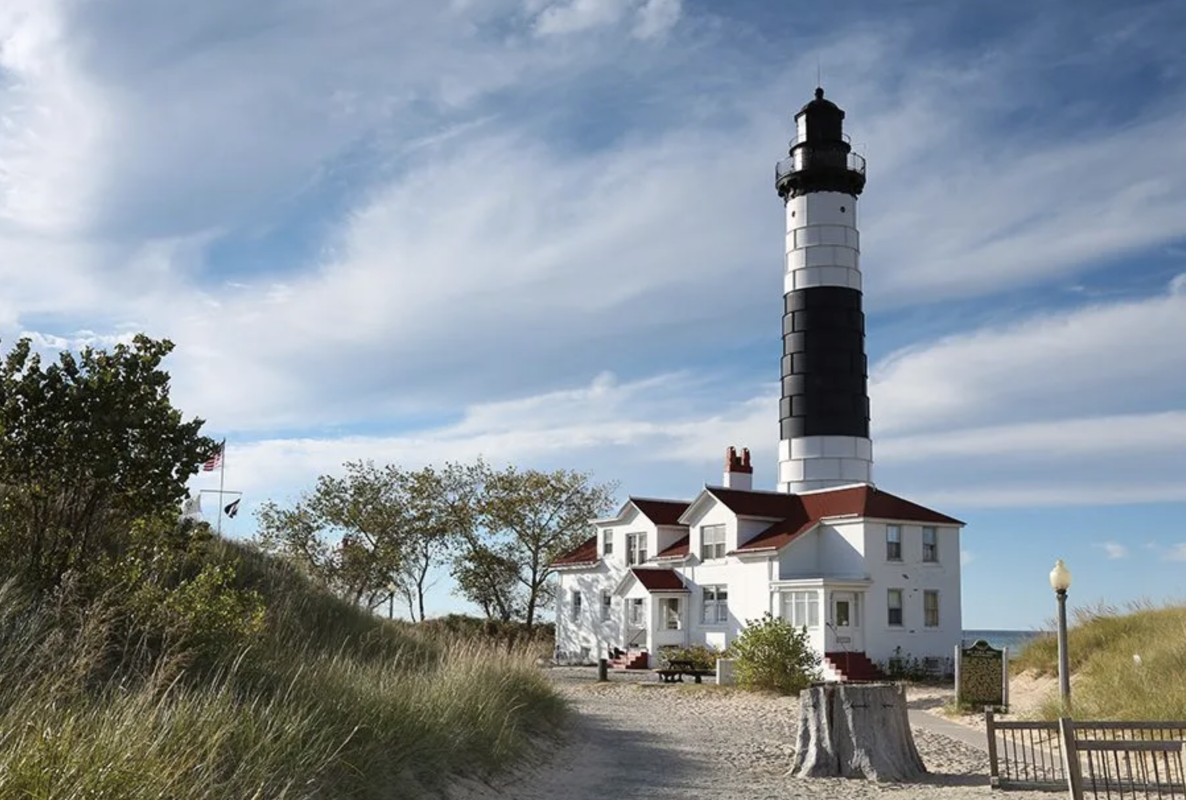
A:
(738, 472)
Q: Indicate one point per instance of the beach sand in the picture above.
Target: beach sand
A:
(634, 737)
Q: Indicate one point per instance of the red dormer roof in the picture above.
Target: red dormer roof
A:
(659, 580)
(660, 512)
(677, 550)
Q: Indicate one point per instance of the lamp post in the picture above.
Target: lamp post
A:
(1060, 581)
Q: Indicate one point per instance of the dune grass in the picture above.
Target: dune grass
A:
(331, 702)
(1107, 681)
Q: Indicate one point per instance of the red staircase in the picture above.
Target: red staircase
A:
(854, 666)
(635, 660)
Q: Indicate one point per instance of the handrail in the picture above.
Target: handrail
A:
(843, 645)
(797, 162)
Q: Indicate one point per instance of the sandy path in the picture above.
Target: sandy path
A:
(634, 739)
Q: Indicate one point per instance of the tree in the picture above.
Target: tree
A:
(434, 514)
(490, 580)
(529, 518)
(88, 445)
(350, 533)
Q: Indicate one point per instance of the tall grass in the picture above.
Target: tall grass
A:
(331, 703)
(1107, 681)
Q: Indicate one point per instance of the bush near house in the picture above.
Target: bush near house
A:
(1125, 666)
(772, 654)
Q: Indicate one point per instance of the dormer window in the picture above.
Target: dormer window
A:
(636, 548)
(607, 542)
(712, 542)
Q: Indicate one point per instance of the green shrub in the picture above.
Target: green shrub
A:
(772, 654)
(702, 657)
(904, 667)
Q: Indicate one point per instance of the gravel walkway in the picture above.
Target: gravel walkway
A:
(637, 738)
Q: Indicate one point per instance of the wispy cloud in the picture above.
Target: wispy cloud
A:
(1114, 550)
(966, 557)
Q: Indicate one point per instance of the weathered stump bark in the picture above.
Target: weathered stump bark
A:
(856, 731)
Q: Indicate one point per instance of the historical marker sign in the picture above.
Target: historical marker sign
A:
(982, 676)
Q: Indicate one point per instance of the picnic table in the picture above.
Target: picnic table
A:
(676, 669)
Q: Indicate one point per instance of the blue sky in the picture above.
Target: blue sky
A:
(545, 231)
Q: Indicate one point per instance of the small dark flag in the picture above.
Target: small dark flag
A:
(232, 508)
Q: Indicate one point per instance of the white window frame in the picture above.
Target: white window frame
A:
(930, 550)
(927, 610)
(714, 605)
(800, 608)
(636, 548)
(607, 542)
(893, 542)
(607, 601)
(712, 549)
(576, 604)
(666, 618)
(890, 608)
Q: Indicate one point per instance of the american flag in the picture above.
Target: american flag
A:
(215, 461)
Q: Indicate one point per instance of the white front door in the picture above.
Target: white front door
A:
(845, 617)
(636, 623)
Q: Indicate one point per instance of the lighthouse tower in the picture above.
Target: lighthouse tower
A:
(824, 412)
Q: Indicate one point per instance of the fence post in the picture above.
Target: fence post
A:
(994, 770)
(1005, 680)
(603, 670)
(1070, 758)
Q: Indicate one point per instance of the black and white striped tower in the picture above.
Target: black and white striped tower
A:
(824, 413)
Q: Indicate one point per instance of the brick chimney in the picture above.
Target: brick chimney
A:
(738, 472)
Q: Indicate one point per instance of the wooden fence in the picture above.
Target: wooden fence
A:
(1121, 760)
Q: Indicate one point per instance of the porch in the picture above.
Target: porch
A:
(833, 612)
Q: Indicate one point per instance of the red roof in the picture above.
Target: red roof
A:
(775, 505)
(660, 512)
(804, 511)
(659, 580)
(585, 553)
(677, 550)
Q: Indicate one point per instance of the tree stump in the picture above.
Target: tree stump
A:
(856, 731)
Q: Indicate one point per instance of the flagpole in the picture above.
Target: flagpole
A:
(221, 484)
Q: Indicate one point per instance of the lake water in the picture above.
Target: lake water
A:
(1001, 639)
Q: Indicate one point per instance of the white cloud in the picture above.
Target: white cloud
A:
(1049, 367)
(1114, 550)
(966, 558)
(651, 17)
(656, 17)
(1177, 552)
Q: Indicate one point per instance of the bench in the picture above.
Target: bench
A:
(675, 671)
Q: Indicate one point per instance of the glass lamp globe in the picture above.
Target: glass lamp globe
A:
(1060, 577)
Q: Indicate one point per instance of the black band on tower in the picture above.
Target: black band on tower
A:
(824, 370)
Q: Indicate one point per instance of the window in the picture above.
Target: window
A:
(894, 605)
(607, 542)
(576, 604)
(715, 609)
(669, 607)
(930, 544)
(893, 542)
(801, 609)
(930, 608)
(635, 612)
(712, 541)
(636, 548)
(606, 605)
